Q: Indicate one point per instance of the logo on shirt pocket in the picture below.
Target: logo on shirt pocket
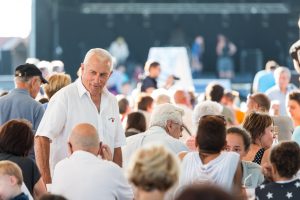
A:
(112, 119)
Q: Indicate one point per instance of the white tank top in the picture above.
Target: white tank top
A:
(219, 171)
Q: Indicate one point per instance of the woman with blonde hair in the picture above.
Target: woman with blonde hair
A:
(153, 170)
(55, 83)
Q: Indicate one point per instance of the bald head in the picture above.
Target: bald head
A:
(181, 97)
(84, 137)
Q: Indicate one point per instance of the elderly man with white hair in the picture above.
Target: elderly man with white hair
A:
(165, 128)
(202, 109)
(281, 89)
(86, 100)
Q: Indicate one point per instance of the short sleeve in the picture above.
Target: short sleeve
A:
(54, 118)
(120, 139)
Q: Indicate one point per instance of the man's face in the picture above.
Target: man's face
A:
(155, 71)
(176, 129)
(95, 74)
(283, 80)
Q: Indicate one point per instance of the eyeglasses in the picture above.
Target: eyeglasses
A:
(181, 126)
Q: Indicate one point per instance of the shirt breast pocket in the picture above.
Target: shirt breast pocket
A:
(110, 131)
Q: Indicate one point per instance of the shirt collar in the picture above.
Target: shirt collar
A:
(82, 154)
(157, 129)
(82, 90)
(18, 90)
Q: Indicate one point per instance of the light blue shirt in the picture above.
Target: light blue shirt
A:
(18, 104)
(263, 80)
(274, 93)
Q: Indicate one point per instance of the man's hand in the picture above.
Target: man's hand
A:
(105, 152)
(191, 143)
(267, 171)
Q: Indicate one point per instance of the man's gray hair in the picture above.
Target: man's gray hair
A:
(206, 108)
(164, 112)
(281, 70)
(102, 55)
(23, 79)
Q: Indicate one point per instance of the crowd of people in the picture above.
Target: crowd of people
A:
(76, 140)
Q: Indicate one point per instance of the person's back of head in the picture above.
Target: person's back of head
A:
(137, 121)
(160, 96)
(211, 134)
(153, 168)
(11, 180)
(229, 98)
(30, 78)
(84, 137)
(52, 197)
(164, 112)
(204, 192)
(206, 108)
(16, 137)
(263, 102)
(214, 92)
(285, 157)
(56, 82)
(182, 97)
(57, 66)
(271, 65)
(145, 102)
(123, 105)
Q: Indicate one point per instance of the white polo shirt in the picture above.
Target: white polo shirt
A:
(73, 105)
(154, 135)
(83, 176)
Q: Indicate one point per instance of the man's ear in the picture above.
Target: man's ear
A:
(32, 82)
(168, 126)
(13, 180)
(81, 68)
(110, 73)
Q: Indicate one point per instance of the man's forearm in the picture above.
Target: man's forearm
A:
(117, 158)
(42, 150)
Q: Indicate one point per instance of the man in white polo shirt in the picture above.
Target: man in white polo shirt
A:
(165, 128)
(85, 101)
